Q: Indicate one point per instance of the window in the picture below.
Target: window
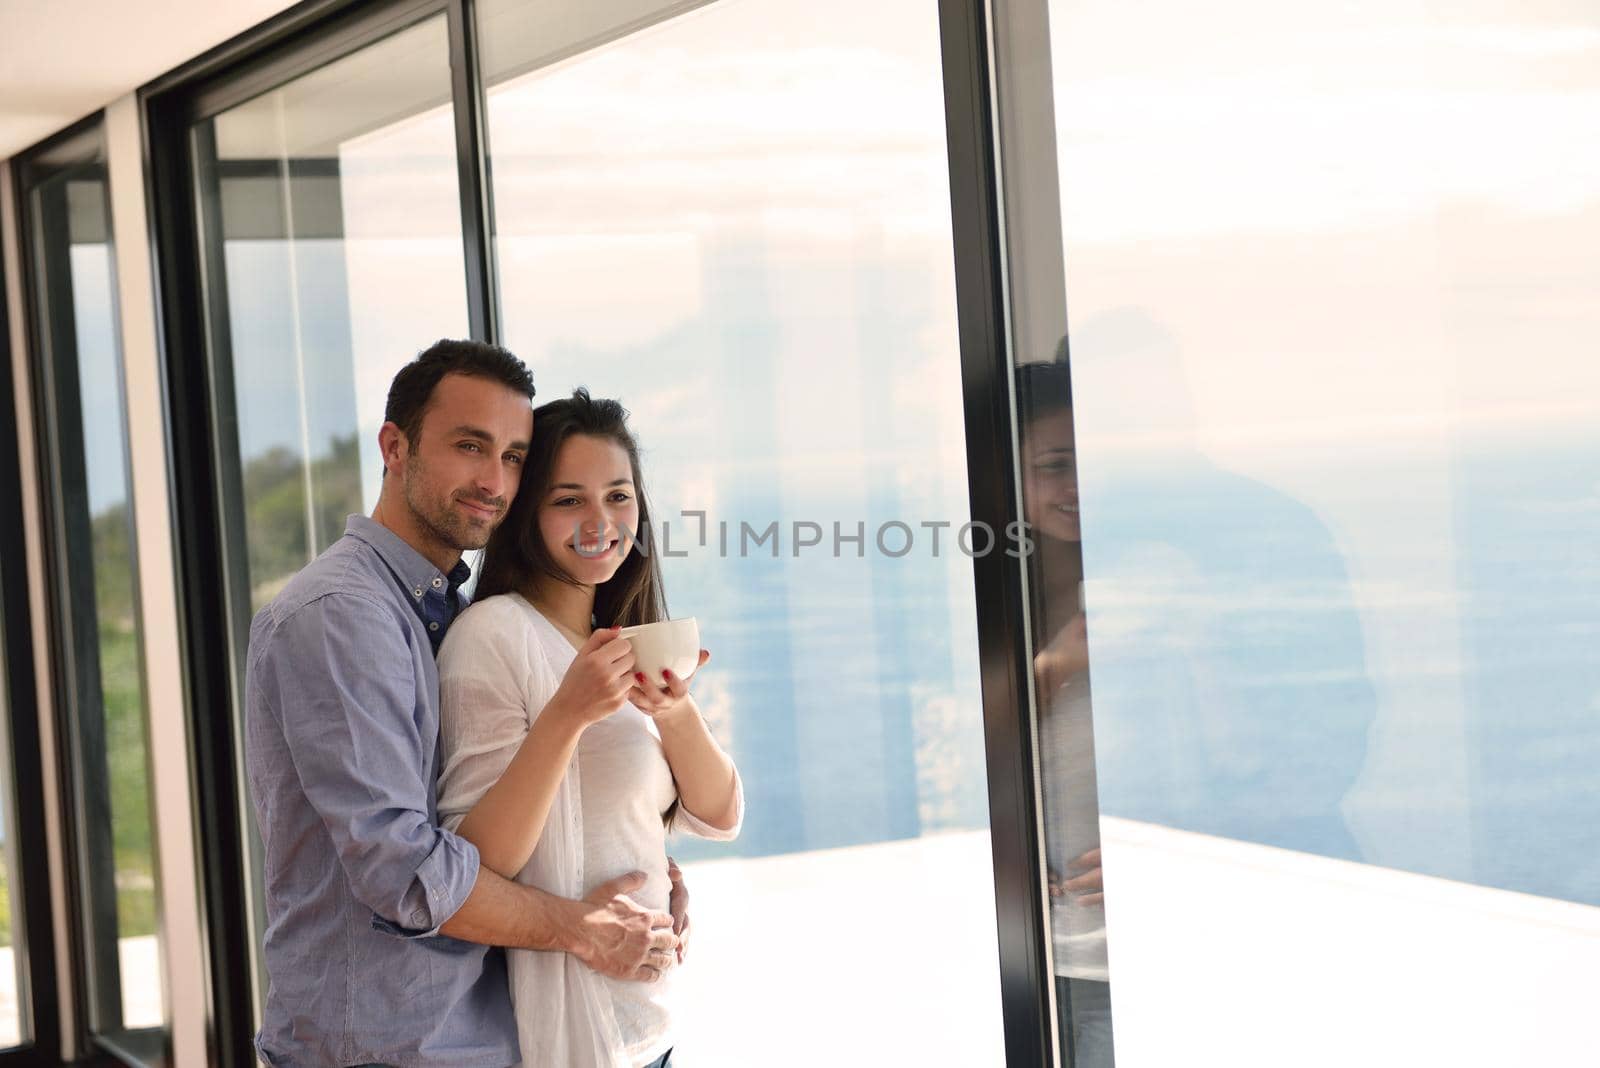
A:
(735, 217)
(1309, 474)
(331, 221)
(737, 221)
(27, 975)
(1331, 328)
(91, 558)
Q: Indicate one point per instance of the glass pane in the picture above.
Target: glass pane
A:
(1064, 725)
(1331, 283)
(738, 223)
(339, 223)
(332, 219)
(74, 278)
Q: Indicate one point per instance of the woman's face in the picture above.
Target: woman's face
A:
(589, 516)
(1050, 477)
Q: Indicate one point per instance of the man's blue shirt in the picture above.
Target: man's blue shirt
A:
(341, 745)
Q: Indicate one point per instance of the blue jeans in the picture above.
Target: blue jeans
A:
(1083, 1013)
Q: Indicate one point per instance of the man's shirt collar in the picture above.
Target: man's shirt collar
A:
(414, 571)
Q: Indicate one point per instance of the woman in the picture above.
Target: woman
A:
(1066, 730)
(563, 765)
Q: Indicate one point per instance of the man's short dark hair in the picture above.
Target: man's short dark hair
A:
(413, 387)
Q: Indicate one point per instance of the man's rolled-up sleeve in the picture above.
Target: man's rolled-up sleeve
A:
(348, 702)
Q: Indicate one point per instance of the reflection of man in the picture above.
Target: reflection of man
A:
(379, 920)
(1066, 731)
(1229, 667)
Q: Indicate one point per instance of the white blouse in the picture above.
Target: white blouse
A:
(501, 663)
(1072, 826)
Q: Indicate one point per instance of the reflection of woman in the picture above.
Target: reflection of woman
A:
(1066, 734)
(561, 763)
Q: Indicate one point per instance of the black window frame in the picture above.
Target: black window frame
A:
(32, 915)
(207, 493)
(75, 684)
(1005, 665)
(201, 418)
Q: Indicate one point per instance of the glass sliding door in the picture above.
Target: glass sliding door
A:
(735, 218)
(1329, 405)
(330, 221)
(92, 561)
(27, 964)
(334, 218)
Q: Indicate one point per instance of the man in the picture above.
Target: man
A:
(378, 920)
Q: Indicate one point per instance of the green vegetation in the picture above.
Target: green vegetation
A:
(122, 701)
(127, 768)
(5, 903)
(279, 544)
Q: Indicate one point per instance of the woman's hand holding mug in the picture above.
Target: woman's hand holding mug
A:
(665, 697)
(599, 679)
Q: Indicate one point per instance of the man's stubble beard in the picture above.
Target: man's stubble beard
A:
(439, 515)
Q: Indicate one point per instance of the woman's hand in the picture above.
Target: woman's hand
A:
(1066, 655)
(664, 697)
(598, 681)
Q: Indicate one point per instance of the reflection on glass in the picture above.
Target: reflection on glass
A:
(1065, 728)
(1332, 332)
(75, 281)
(339, 227)
(336, 255)
(738, 223)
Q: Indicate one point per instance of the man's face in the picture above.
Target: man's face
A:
(460, 476)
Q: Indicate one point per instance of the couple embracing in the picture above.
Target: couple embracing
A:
(465, 809)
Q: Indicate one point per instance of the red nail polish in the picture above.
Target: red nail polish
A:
(639, 675)
(666, 674)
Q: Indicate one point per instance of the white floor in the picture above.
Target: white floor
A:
(141, 987)
(876, 955)
(1222, 953)
(10, 1033)
(1226, 953)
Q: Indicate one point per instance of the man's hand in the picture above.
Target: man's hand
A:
(1088, 888)
(618, 938)
(678, 905)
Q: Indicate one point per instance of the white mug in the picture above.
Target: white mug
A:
(672, 644)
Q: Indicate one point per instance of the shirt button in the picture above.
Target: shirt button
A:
(437, 582)
(433, 626)
(417, 592)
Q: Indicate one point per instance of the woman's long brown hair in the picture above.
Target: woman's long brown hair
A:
(516, 560)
